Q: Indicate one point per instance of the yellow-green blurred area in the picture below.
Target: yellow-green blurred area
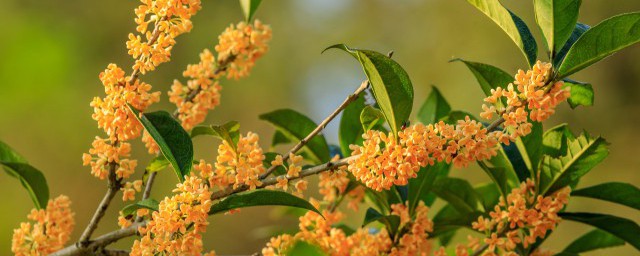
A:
(52, 51)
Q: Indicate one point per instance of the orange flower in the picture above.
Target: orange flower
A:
(239, 166)
(104, 154)
(243, 44)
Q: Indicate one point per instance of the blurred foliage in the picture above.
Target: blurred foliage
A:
(52, 51)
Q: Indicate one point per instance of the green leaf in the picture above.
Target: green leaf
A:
(556, 19)
(489, 195)
(622, 228)
(515, 28)
(148, 203)
(391, 222)
(583, 153)
(602, 40)
(8, 155)
(346, 229)
(457, 192)
(434, 108)
(529, 147)
(554, 141)
(31, 179)
(371, 117)
(489, 77)
(581, 93)
(378, 199)
(268, 158)
(260, 197)
(456, 115)
(504, 177)
(296, 127)
(304, 248)
(229, 132)
(158, 163)
(595, 239)
(390, 84)
(173, 141)
(616, 192)
(350, 131)
(575, 35)
(249, 8)
(420, 187)
(448, 219)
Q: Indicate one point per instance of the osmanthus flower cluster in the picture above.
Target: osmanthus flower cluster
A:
(177, 227)
(385, 160)
(239, 46)
(522, 218)
(49, 231)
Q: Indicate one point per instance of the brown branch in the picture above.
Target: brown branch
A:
(320, 126)
(114, 186)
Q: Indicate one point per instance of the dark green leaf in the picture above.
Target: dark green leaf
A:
(616, 192)
(529, 147)
(350, 131)
(371, 117)
(391, 222)
(575, 35)
(515, 28)
(489, 77)
(503, 177)
(304, 248)
(595, 239)
(296, 127)
(346, 229)
(148, 203)
(173, 141)
(32, 179)
(581, 93)
(420, 187)
(583, 153)
(434, 108)
(554, 141)
(279, 138)
(390, 84)
(378, 199)
(556, 19)
(259, 198)
(624, 229)
(268, 158)
(489, 195)
(8, 155)
(249, 8)
(448, 220)
(515, 157)
(602, 40)
(457, 192)
(456, 115)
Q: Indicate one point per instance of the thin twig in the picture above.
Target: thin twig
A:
(320, 126)
(114, 186)
(101, 241)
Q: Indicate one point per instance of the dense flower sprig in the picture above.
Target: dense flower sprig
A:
(177, 227)
(104, 154)
(169, 19)
(385, 160)
(522, 218)
(50, 230)
(238, 49)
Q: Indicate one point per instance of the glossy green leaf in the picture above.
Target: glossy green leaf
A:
(391, 222)
(304, 248)
(622, 228)
(371, 117)
(148, 203)
(515, 28)
(489, 77)
(554, 141)
(458, 192)
(601, 41)
(581, 93)
(32, 180)
(157, 164)
(350, 131)
(261, 197)
(279, 138)
(504, 177)
(434, 108)
(583, 153)
(390, 84)
(420, 186)
(575, 35)
(8, 155)
(249, 8)
(616, 192)
(448, 219)
(489, 194)
(595, 239)
(556, 19)
(173, 141)
(377, 199)
(529, 147)
(229, 132)
(456, 115)
(296, 127)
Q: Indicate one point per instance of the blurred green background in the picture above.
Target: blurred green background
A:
(52, 51)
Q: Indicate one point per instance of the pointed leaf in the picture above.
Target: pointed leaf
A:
(622, 228)
(350, 131)
(595, 239)
(515, 28)
(434, 108)
(616, 192)
(391, 222)
(296, 127)
(581, 93)
(8, 155)
(279, 138)
(529, 147)
(261, 197)
(390, 84)
(489, 195)
(457, 192)
(371, 117)
(148, 203)
(489, 77)
(554, 141)
(420, 187)
(575, 35)
(599, 42)
(173, 141)
(249, 8)
(32, 179)
(229, 132)
(556, 19)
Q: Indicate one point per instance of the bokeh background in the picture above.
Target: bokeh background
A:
(52, 51)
